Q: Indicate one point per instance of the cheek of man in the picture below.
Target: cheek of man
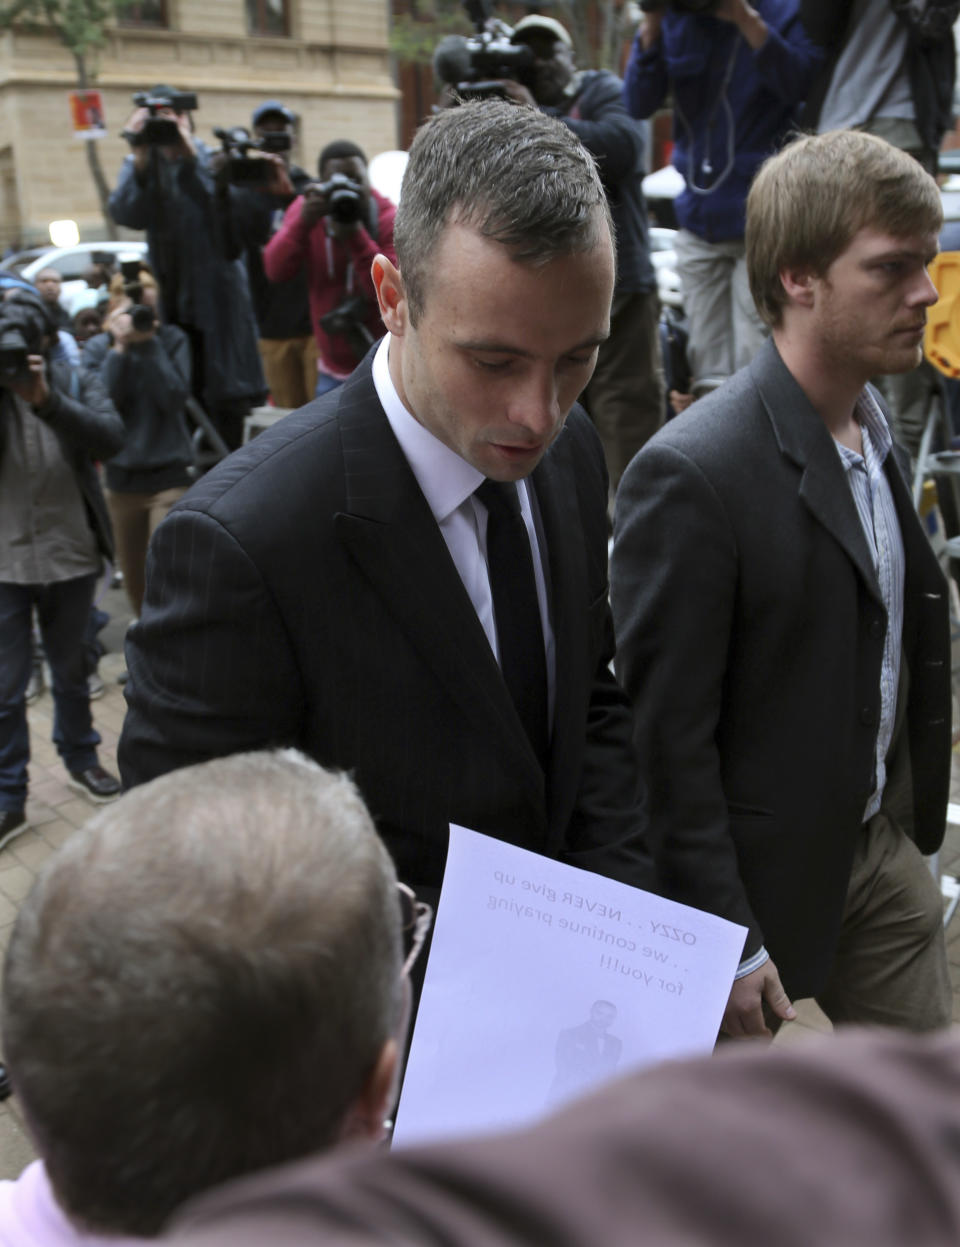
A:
(873, 301)
(502, 350)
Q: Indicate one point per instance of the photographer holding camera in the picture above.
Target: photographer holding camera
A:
(334, 230)
(54, 536)
(145, 368)
(166, 187)
(256, 203)
(737, 74)
(625, 394)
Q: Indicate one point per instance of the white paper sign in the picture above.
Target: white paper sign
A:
(545, 980)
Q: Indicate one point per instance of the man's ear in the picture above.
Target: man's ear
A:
(390, 295)
(798, 285)
(366, 1115)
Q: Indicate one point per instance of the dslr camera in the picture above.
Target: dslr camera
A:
(141, 316)
(474, 64)
(23, 325)
(345, 198)
(242, 168)
(159, 131)
(349, 318)
(678, 6)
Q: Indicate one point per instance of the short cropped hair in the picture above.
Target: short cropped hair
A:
(200, 984)
(340, 149)
(521, 178)
(808, 201)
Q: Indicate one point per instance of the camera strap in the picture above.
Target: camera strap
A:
(722, 101)
(331, 265)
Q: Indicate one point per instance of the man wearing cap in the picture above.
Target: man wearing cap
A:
(287, 345)
(625, 395)
(169, 190)
(332, 232)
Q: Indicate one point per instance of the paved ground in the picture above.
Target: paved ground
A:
(55, 812)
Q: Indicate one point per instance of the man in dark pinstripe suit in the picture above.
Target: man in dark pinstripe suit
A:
(328, 586)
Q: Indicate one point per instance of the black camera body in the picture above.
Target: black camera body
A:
(141, 316)
(689, 7)
(275, 141)
(13, 354)
(23, 325)
(243, 169)
(349, 318)
(473, 65)
(160, 131)
(345, 198)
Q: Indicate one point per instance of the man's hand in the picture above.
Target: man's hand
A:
(278, 183)
(32, 387)
(743, 1016)
(747, 20)
(516, 91)
(650, 30)
(120, 327)
(314, 205)
(184, 146)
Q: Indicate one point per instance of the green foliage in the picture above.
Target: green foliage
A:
(80, 24)
(413, 36)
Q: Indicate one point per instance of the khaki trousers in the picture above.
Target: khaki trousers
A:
(891, 964)
(134, 518)
(290, 365)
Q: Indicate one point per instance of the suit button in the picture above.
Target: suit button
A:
(867, 717)
(876, 628)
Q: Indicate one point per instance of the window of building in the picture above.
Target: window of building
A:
(143, 13)
(267, 17)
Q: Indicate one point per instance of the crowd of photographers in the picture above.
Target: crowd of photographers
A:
(259, 277)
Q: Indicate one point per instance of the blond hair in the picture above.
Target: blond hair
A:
(809, 200)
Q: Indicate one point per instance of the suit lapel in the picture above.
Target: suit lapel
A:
(803, 438)
(390, 533)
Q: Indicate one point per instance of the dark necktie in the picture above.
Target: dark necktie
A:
(516, 609)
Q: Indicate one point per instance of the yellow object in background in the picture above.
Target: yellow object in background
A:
(941, 342)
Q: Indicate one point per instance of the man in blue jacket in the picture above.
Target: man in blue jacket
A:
(737, 75)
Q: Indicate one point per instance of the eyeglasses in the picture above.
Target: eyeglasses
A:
(416, 917)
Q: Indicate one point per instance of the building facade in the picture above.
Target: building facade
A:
(327, 60)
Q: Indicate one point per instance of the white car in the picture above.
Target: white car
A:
(664, 260)
(72, 262)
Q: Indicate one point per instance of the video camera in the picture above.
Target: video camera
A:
(243, 169)
(23, 325)
(474, 64)
(691, 7)
(345, 198)
(159, 131)
(142, 317)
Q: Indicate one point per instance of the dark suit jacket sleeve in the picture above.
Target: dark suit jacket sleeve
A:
(607, 830)
(673, 591)
(207, 657)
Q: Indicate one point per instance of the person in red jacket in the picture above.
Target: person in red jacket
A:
(334, 230)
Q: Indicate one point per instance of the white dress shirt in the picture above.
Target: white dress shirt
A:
(448, 484)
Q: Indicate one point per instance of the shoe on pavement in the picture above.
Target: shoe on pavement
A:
(95, 783)
(95, 686)
(13, 823)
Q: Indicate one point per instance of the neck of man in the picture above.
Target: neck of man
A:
(829, 384)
